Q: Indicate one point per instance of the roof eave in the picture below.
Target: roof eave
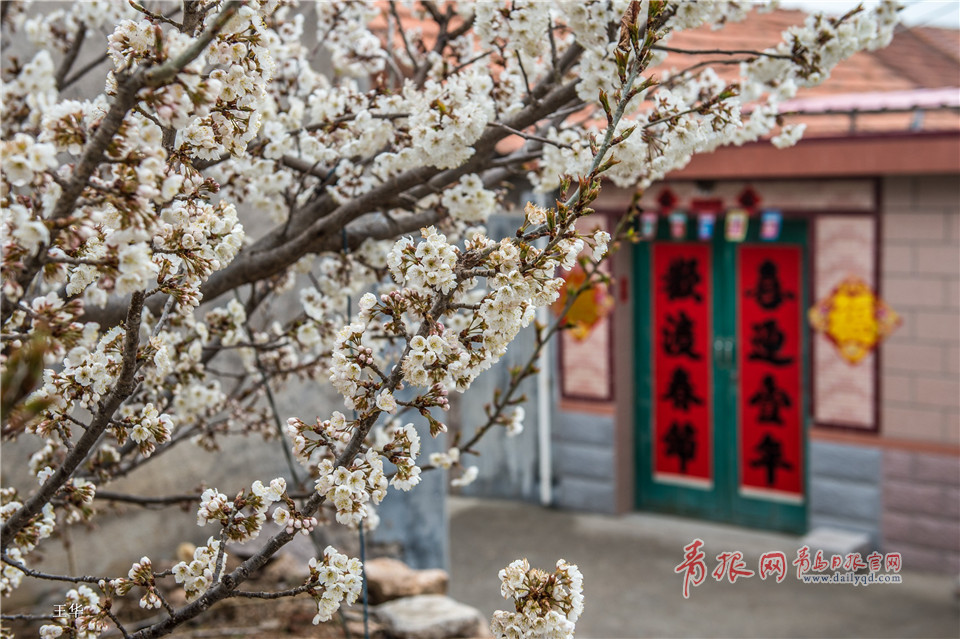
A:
(920, 153)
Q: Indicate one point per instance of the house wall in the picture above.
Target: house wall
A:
(921, 372)
(588, 454)
(921, 281)
(900, 484)
(584, 467)
(844, 480)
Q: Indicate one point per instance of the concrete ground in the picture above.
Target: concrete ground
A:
(631, 589)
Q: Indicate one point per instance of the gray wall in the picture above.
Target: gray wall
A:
(845, 488)
(582, 445)
(413, 524)
(508, 466)
(583, 463)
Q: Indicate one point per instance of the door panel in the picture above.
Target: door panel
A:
(720, 361)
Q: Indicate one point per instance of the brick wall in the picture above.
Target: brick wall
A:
(921, 281)
(921, 503)
(921, 371)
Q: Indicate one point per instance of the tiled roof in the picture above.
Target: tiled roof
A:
(929, 57)
(922, 57)
(918, 58)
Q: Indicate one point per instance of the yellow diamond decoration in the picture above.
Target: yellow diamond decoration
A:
(588, 309)
(854, 319)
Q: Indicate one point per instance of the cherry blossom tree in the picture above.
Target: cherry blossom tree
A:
(377, 155)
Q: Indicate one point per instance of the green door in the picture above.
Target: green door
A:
(721, 360)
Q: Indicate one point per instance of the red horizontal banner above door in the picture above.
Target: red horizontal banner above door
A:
(768, 335)
(682, 364)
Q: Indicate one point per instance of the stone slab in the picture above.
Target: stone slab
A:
(836, 541)
(427, 617)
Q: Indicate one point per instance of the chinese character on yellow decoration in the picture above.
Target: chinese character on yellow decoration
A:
(588, 309)
(853, 318)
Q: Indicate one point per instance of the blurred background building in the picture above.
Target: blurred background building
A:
(707, 392)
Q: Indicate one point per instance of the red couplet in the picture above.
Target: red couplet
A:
(682, 363)
(768, 335)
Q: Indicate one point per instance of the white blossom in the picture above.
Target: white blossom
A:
(545, 605)
(788, 136)
(468, 477)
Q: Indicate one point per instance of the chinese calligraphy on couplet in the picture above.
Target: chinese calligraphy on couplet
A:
(682, 299)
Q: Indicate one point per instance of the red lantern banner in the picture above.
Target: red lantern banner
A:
(768, 334)
(682, 364)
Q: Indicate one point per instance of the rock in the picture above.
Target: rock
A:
(185, 552)
(428, 617)
(389, 579)
(287, 566)
(286, 569)
(355, 628)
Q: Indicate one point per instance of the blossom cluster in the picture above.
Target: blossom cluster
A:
(449, 117)
(77, 498)
(403, 450)
(446, 460)
(294, 521)
(467, 477)
(26, 540)
(451, 459)
(91, 620)
(23, 159)
(85, 620)
(87, 372)
(329, 432)
(353, 490)
(242, 518)
(341, 579)
(140, 574)
(355, 52)
(199, 574)
(32, 90)
(11, 576)
(468, 200)
(151, 429)
(514, 423)
(547, 604)
(428, 265)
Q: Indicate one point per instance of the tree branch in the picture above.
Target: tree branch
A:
(36, 574)
(84, 70)
(71, 55)
(659, 47)
(165, 72)
(121, 390)
(92, 156)
(531, 136)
